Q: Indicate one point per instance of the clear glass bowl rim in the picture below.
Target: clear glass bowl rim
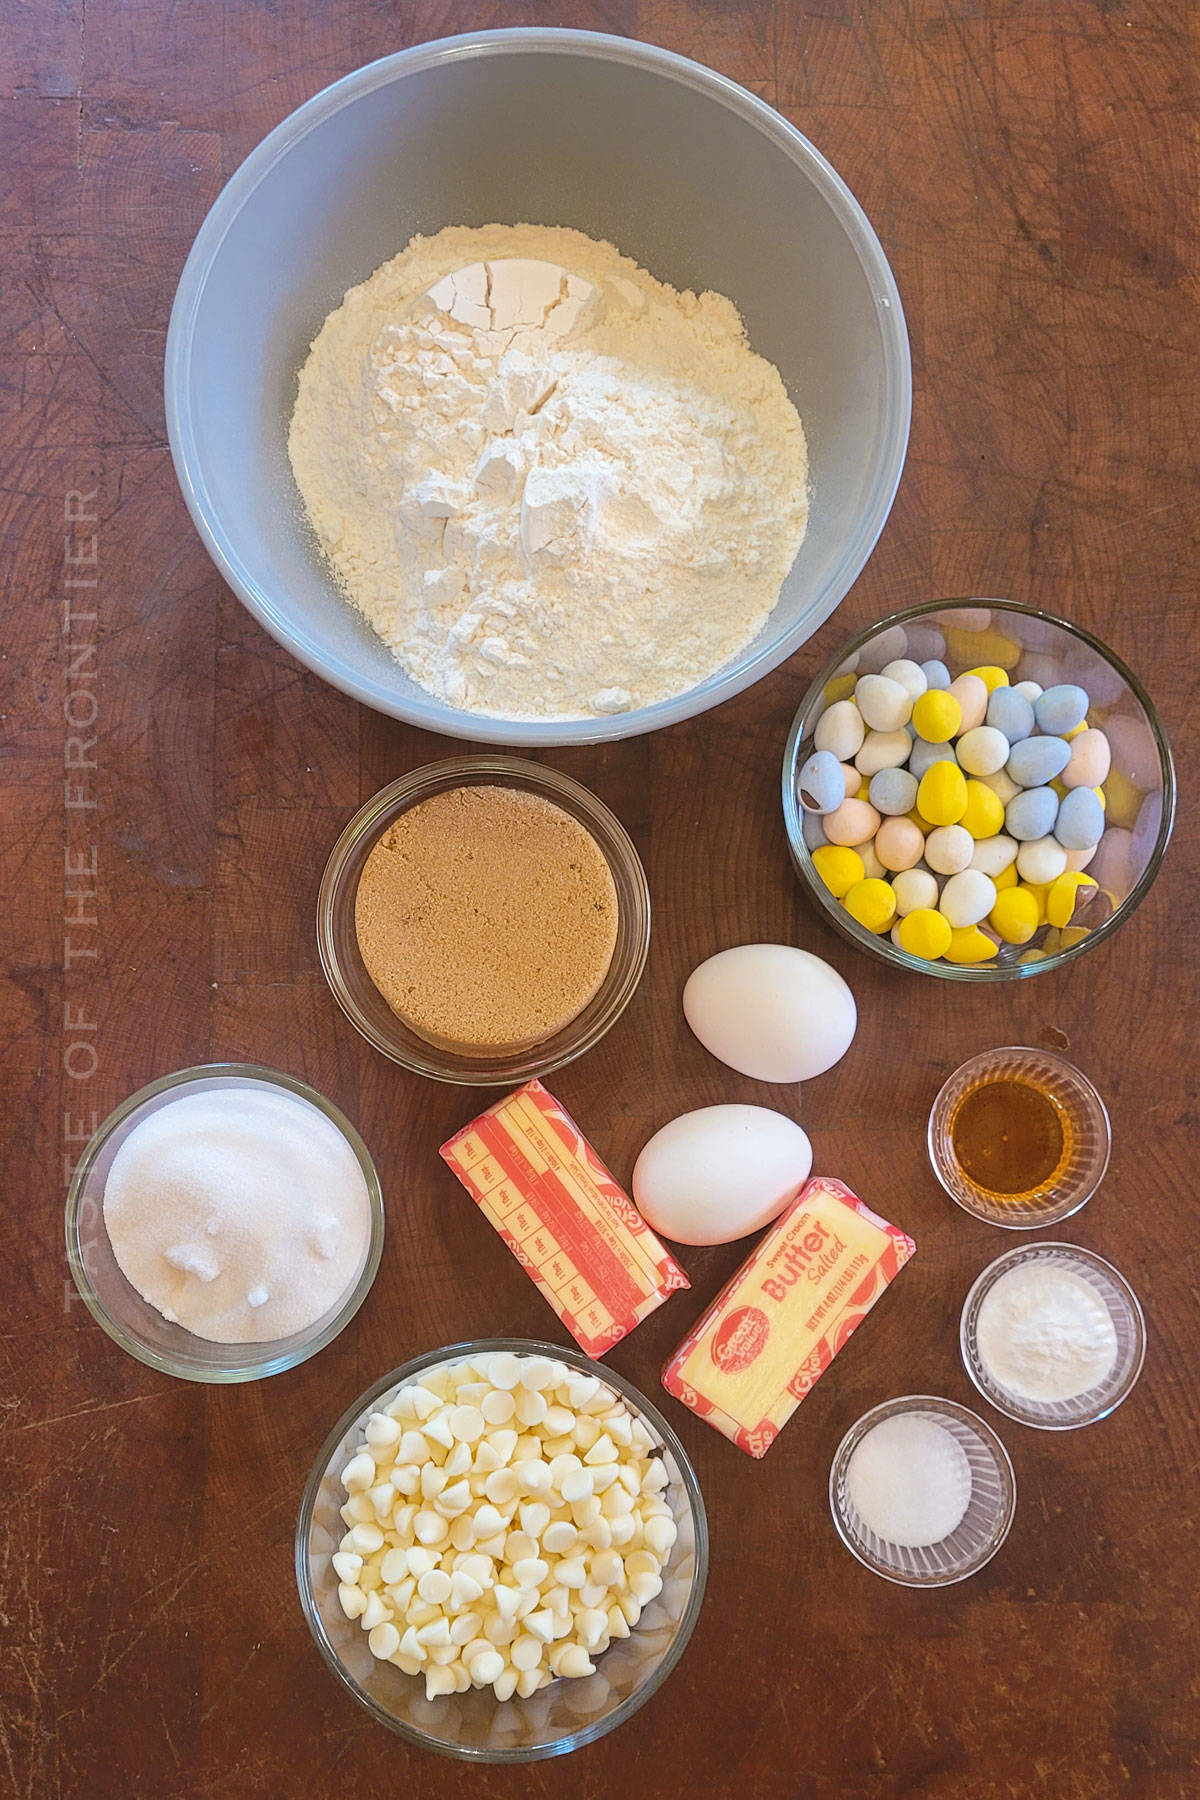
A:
(1053, 1215)
(883, 947)
(577, 1360)
(905, 1403)
(253, 1369)
(411, 788)
(987, 1278)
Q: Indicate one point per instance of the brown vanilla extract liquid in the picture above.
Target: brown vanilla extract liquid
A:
(1012, 1137)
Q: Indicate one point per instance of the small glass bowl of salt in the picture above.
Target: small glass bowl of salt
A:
(922, 1491)
(1053, 1336)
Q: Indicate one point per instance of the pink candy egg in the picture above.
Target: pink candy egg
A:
(1090, 760)
(851, 823)
(899, 843)
(972, 695)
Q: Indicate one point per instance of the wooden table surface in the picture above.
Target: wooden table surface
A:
(1030, 166)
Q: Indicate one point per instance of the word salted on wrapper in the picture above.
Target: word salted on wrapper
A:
(777, 1325)
(533, 1174)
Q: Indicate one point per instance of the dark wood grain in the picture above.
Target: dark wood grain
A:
(1031, 167)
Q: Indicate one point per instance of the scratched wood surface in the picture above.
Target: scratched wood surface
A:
(1031, 168)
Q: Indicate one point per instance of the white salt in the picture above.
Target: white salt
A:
(909, 1480)
(241, 1213)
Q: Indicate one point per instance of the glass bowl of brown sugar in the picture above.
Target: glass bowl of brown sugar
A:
(483, 920)
(1019, 1138)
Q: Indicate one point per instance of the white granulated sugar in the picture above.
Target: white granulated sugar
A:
(242, 1214)
(909, 1480)
(555, 487)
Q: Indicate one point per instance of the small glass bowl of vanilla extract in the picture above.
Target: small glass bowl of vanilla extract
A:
(1019, 1138)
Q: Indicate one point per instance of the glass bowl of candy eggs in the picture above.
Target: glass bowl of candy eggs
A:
(977, 790)
(501, 1551)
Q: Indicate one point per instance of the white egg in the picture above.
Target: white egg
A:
(715, 1175)
(771, 1011)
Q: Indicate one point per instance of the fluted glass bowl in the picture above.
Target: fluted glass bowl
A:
(475, 1726)
(115, 1303)
(1036, 646)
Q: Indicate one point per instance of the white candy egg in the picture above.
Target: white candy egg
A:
(718, 1174)
(771, 1011)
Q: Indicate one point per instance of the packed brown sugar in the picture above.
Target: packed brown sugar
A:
(486, 917)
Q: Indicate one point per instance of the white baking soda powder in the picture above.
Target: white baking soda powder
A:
(909, 1480)
(241, 1213)
(1045, 1334)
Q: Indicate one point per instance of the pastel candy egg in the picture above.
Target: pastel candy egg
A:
(851, 823)
(1145, 831)
(894, 791)
(908, 674)
(1029, 690)
(1037, 666)
(1133, 751)
(1029, 814)
(820, 785)
(1089, 762)
(840, 729)
(983, 649)
(972, 697)
(1123, 799)
(1080, 820)
(839, 687)
(937, 675)
(1006, 878)
(1095, 674)
(942, 794)
(925, 933)
(1114, 864)
(873, 869)
(1002, 785)
(966, 618)
(1060, 709)
(883, 703)
(983, 750)
(1079, 859)
(1011, 712)
(936, 716)
(1041, 861)
(899, 844)
(851, 778)
(994, 855)
(1037, 760)
(883, 750)
(949, 849)
(984, 815)
(925, 641)
(872, 904)
(925, 755)
(991, 675)
(839, 868)
(970, 945)
(1068, 897)
(1014, 916)
(882, 650)
(967, 898)
(914, 889)
(812, 826)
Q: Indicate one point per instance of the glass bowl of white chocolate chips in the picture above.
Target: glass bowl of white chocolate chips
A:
(502, 1550)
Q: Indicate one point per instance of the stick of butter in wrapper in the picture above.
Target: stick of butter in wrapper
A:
(533, 1174)
(777, 1325)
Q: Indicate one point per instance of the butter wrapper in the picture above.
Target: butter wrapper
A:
(573, 1229)
(775, 1328)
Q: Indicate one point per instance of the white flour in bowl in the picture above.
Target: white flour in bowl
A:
(556, 488)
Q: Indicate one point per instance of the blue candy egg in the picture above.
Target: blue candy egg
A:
(1010, 713)
(1080, 821)
(925, 755)
(1060, 709)
(820, 784)
(1036, 760)
(892, 792)
(1031, 815)
(936, 674)
(814, 831)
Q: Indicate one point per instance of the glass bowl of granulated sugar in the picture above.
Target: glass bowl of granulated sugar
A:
(562, 480)
(224, 1223)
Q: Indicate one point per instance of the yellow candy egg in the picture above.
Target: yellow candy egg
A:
(1072, 934)
(1123, 801)
(989, 648)
(942, 795)
(1074, 731)
(924, 932)
(862, 790)
(1014, 916)
(1102, 797)
(983, 816)
(1007, 878)
(872, 903)
(936, 716)
(991, 675)
(839, 868)
(1039, 892)
(1066, 896)
(969, 945)
(839, 687)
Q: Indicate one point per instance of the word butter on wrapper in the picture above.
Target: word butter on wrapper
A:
(533, 1174)
(775, 1328)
